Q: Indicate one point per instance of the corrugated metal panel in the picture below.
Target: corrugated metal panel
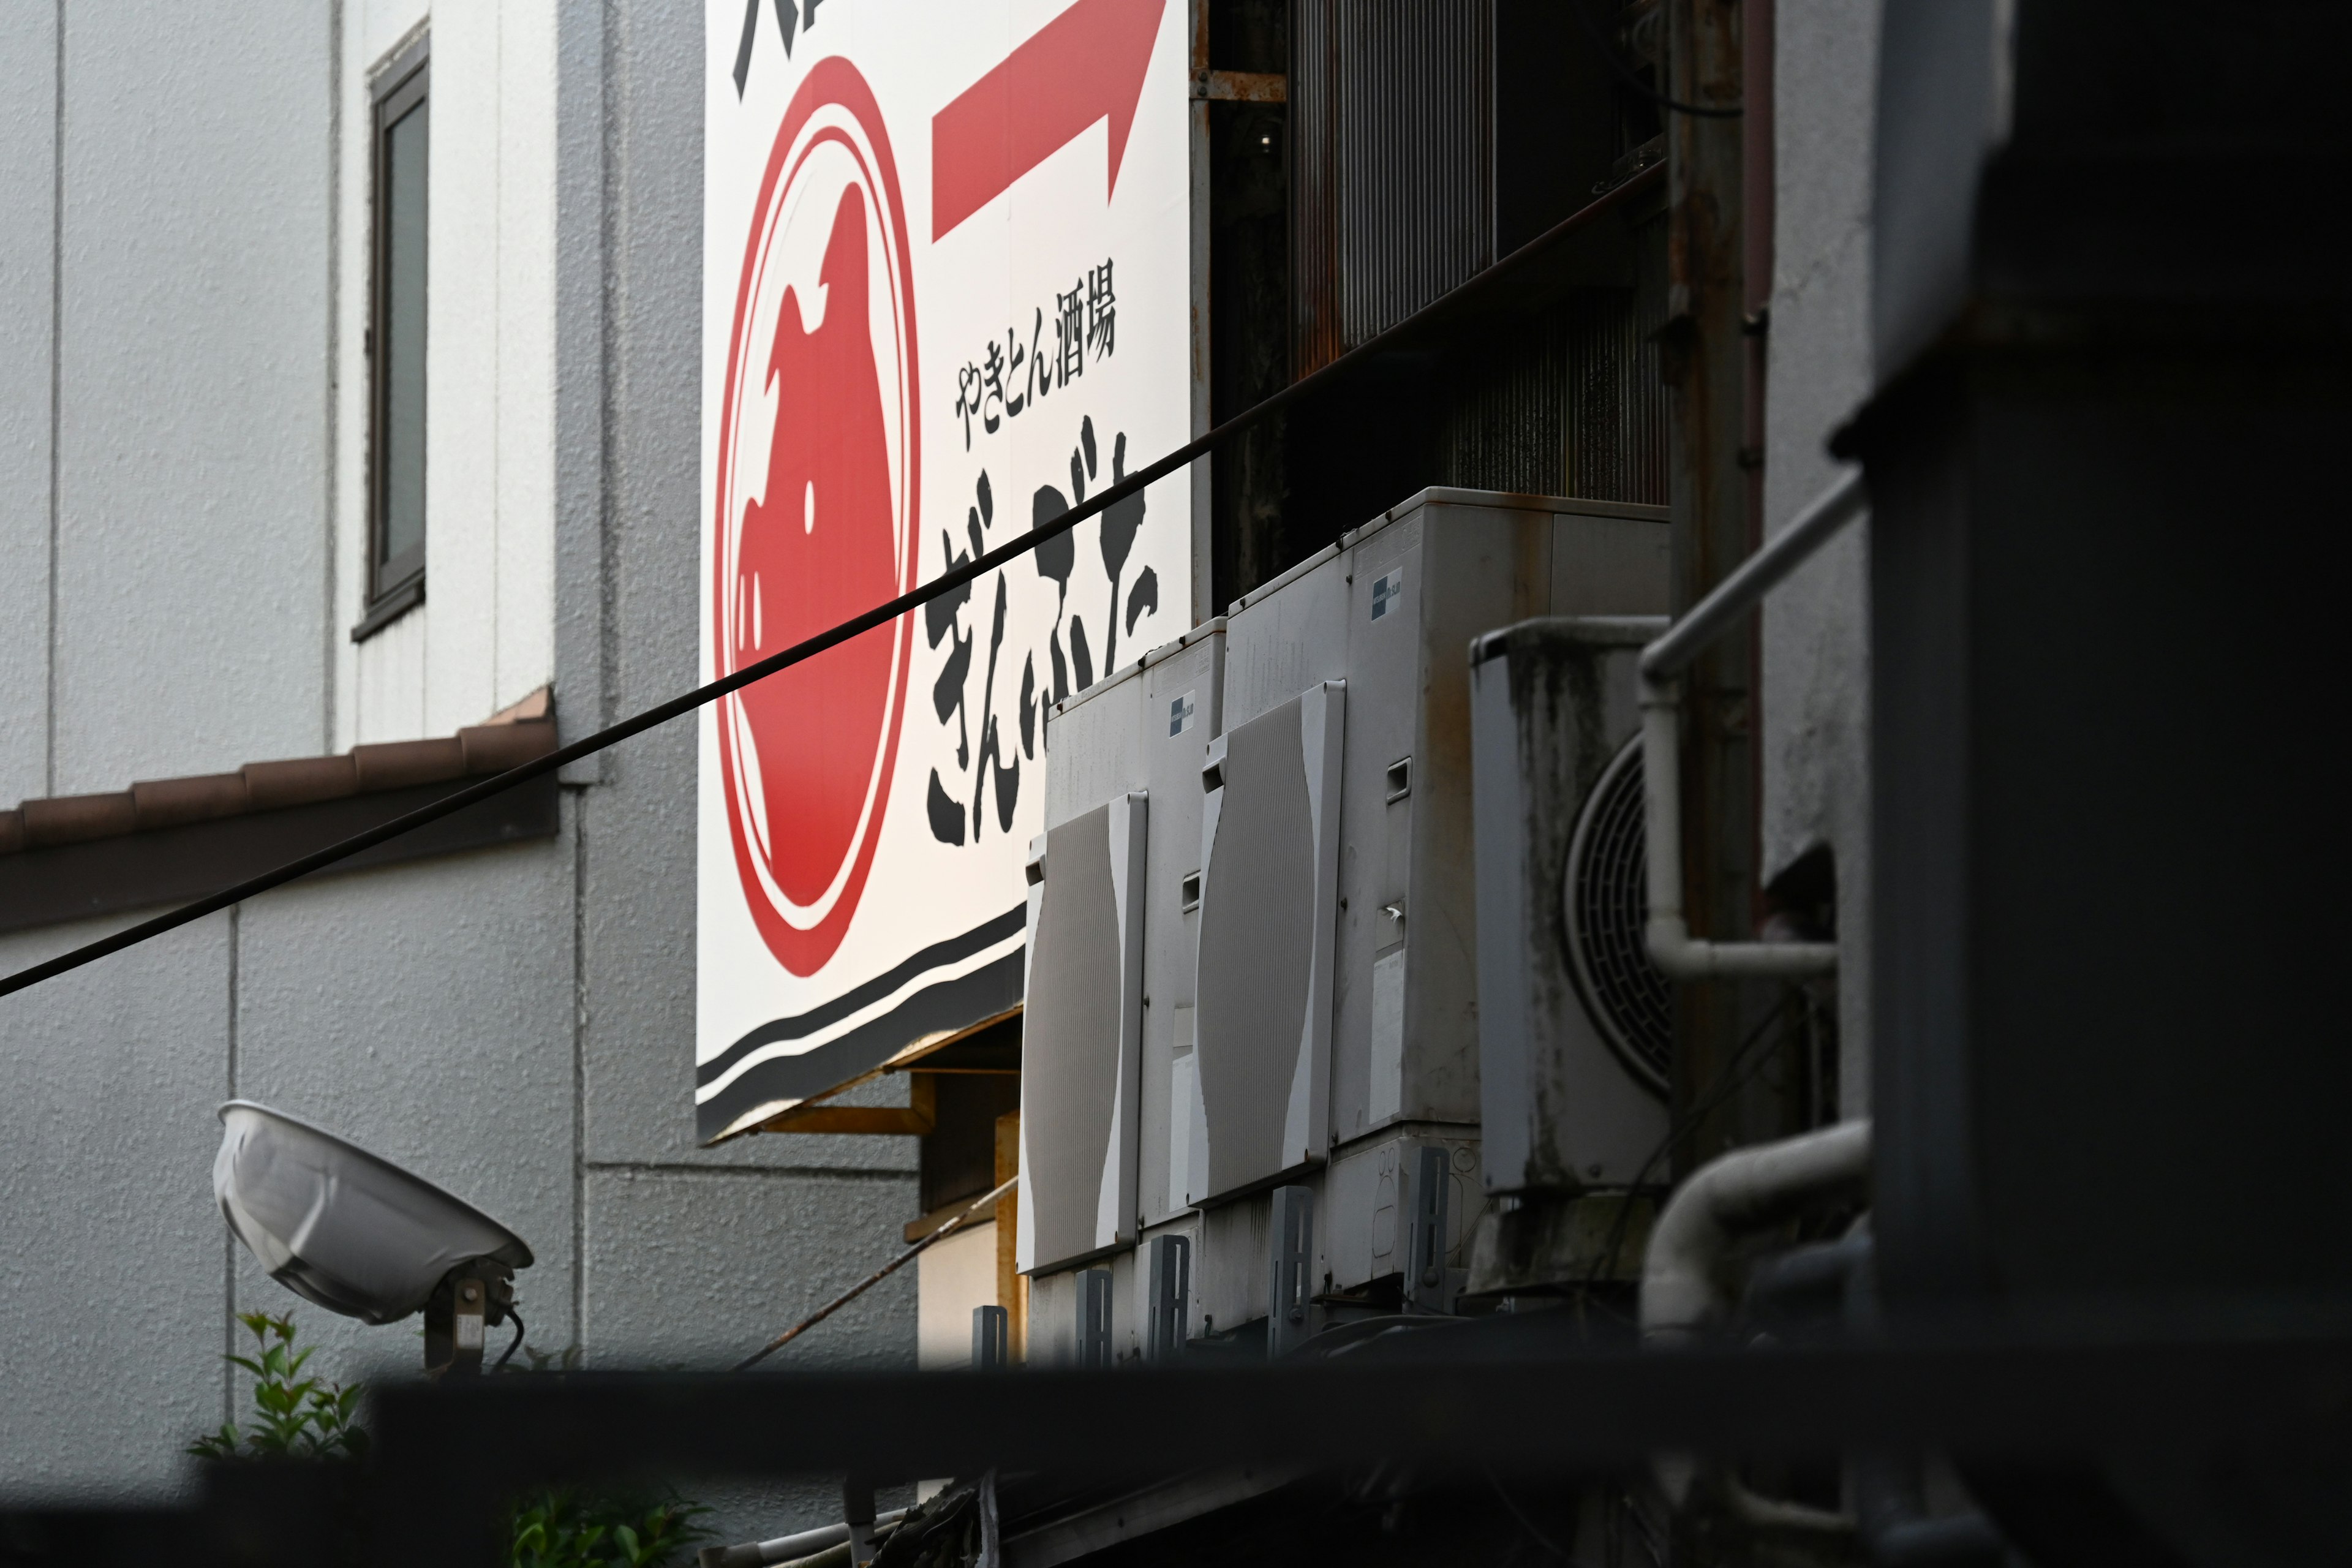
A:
(1392, 115)
(1507, 427)
(1572, 406)
(1616, 398)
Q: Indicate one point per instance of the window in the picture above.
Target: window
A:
(402, 137)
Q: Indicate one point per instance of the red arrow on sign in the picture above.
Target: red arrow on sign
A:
(1086, 64)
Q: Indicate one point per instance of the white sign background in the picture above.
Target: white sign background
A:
(932, 940)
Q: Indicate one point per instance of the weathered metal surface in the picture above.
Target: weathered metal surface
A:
(1241, 87)
(1569, 404)
(1391, 108)
(1725, 1093)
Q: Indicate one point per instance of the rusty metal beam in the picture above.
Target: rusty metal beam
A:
(1706, 361)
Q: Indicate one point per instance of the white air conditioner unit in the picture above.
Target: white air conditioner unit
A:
(1183, 709)
(1082, 1020)
(1307, 1021)
(1385, 615)
(1257, 1104)
(1575, 1022)
(1114, 896)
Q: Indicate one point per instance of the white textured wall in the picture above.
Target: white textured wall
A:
(1816, 629)
(28, 53)
(485, 635)
(112, 1259)
(423, 1012)
(191, 366)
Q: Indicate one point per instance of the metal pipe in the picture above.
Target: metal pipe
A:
(1742, 1191)
(786, 1548)
(1755, 576)
(1668, 933)
(1681, 1300)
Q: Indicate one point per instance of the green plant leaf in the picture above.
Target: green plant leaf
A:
(299, 1416)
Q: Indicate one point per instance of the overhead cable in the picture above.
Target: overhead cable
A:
(880, 615)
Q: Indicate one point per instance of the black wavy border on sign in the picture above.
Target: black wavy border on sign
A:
(954, 1004)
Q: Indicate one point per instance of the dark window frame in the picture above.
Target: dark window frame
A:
(395, 586)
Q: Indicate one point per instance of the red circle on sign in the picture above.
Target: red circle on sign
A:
(806, 754)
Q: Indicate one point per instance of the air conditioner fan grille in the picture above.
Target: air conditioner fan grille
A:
(1606, 902)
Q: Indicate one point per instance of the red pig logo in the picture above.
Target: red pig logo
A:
(806, 753)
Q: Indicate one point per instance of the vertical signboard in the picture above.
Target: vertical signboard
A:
(946, 295)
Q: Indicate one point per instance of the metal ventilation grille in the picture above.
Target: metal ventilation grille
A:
(1606, 904)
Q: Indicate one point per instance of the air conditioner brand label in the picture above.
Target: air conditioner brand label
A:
(1387, 589)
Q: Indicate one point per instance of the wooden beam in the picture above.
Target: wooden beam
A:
(913, 1120)
(1012, 1290)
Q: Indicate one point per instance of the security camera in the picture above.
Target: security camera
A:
(359, 1236)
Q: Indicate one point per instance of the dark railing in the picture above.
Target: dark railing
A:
(1520, 1398)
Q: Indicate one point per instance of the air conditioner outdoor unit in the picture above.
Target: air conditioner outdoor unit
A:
(1575, 1022)
(1304, 1030)
(1114, 892)
(1346, 683)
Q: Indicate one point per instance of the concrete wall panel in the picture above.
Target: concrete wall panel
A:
(638, 917)
(375, 28)
(1816, 632)
(423, 1012)
(28, 116)
(390, 673)
(110, 1249)
(698, 1269)
(192, 569)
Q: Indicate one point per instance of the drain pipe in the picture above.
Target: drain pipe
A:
(792, 1547)
(1742, 1191)
(1682, 1298)
(1671, 945)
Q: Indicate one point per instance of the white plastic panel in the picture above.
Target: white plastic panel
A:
(1081, 1035)
(1181, 709)
(1270, 847)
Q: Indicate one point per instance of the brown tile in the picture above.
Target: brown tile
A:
(495, 748)
(71, 818)
(401, 764)
(168, 803)
(12, 832)
(297, 781)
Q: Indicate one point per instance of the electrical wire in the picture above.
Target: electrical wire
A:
(1384, 341)
(855, 1292)
(1632, 79)
(515, 1345)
